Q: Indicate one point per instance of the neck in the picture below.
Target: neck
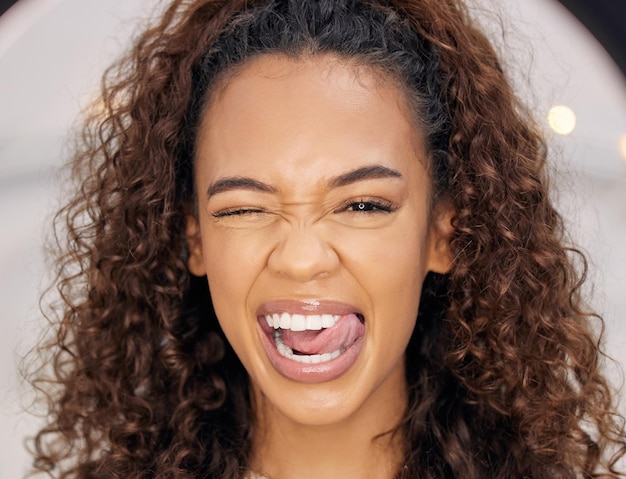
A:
(361, 446)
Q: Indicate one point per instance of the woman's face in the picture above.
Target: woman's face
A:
(315, 233)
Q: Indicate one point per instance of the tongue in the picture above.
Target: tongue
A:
(345, 332)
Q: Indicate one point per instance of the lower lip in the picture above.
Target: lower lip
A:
(311, 373)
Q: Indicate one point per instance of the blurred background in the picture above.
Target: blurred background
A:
(52, 55)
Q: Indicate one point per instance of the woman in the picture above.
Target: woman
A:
(314, 239)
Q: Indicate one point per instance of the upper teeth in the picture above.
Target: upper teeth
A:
(300, 322)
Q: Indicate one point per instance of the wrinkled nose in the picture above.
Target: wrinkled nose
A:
(303, 255)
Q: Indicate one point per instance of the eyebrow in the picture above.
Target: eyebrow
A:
(364, 173)
(238, 183)
(360, 174)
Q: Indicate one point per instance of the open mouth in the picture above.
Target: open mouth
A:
(313, 339)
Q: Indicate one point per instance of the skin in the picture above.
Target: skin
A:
(292, 232)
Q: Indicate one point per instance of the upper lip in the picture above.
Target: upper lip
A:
(307, 306)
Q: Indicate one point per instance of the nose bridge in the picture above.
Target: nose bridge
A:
(303, 253)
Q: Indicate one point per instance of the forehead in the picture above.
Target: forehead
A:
(301, 112)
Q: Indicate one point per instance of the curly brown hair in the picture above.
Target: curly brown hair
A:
(503, 367)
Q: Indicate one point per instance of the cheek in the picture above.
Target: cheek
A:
(390, 257)
(390, 267)
(233, 262)
(232, 266)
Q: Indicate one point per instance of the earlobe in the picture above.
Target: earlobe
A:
(440, 235)
(195, 261)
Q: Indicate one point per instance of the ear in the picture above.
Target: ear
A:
(195, 261)
(439, 237)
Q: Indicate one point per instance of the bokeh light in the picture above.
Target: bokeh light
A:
(622, 145)
(562, 119)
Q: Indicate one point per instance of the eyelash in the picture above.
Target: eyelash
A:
(358, 207)
(367, 207)
(236, 212)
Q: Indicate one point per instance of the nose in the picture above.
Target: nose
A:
(303, 255)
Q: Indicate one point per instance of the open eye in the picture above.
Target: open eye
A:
(367, 206)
